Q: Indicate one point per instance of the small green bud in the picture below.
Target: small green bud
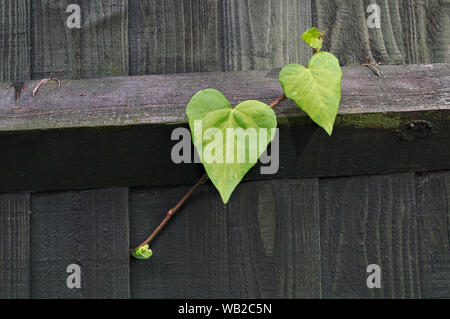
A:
(143, 252)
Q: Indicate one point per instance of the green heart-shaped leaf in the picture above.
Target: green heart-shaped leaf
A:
(228, 157)
(316, 89)
(314, 38)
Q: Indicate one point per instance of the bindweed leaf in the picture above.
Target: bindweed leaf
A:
(314, 38)
(229, 141)
(143, 252)
(316, 89)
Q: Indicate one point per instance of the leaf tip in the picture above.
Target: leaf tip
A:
(225, 198)
(329, 128)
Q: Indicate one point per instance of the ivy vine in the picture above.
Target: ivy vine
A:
(315, 89)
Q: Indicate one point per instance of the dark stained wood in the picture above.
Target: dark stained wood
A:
(99, 48)
(369, 220)
(14, 246)
(281, 235)
(274, 240)
(14, 40)
(214, 35)
(264, 34)
(409, 147)
(264, 244)
(163, 98)
(141, 155)
(173, 36)
(396, 123)
(88, 228)
(433, 195)
(191, 256)
(211, 35)
(412, 31)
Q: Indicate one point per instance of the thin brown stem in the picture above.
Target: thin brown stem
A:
(173, 211)
(368, 64)
(200, 182)
(278, 100)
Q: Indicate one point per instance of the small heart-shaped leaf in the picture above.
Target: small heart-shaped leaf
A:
(314, 38)
(229, 141)
(316, 89)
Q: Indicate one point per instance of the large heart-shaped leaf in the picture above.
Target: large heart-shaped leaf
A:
(229, 141)
(316, 89)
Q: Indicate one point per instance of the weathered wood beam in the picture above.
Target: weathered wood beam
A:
(162, 99)
(117, 131)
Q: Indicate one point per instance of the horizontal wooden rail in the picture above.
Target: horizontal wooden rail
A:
(163, 98)
(115, 132)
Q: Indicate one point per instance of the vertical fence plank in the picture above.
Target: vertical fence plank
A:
(433, 196)
(14, 246)
(411, 30)
(191, 255)
(99, 48)
(14, 40)
(437, 25)
(174, 36)
(212, 35)
(364, 221)
(264, 244)
(274, 240)
(264, 34)
(88, 229)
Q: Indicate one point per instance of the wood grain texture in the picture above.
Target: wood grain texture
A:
(99, 48)
(214, 35)
(274, 240)
(89, 229)
(173, 36)
(264, 244)
(264, 34)
(14, 246)
(162, 99)
(191, 256)
(211, 35)
(14, 40)
(433, 195)
(412, 31)
(404, 114)
(140, 155)
(369, 220)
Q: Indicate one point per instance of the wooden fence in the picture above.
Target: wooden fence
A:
(120, 37)
(86, 173)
